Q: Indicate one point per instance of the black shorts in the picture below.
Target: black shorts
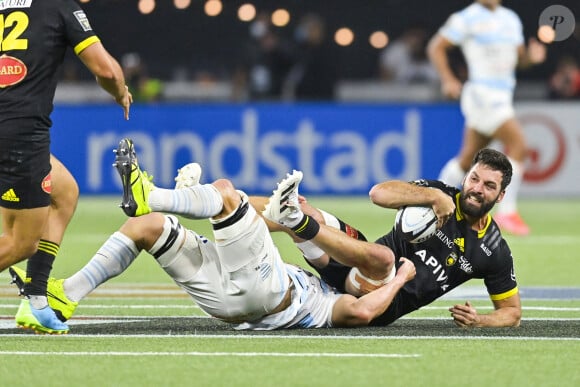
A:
(335, 274)
(24, 174)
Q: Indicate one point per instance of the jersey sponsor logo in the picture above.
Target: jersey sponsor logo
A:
(12, 71)
(83, 20)
(513, 275)
(445, 239)
(10, 196)
(451, 259)
(436, 268)
(485, 249)
(465, 265)
(5, 4)
(460, 242)
(46, 184)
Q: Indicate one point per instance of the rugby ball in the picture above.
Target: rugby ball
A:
(416, 224)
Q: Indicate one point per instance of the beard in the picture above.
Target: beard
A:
(473, 210)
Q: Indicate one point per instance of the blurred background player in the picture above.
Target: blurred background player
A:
(491, 39)
(405, 61)
(34, 216)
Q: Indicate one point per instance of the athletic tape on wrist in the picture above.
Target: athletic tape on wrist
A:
(307, 228)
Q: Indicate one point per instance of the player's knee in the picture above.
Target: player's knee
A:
(65, 202)
(381, 259)
(24, 248)
(231, 197)
(144, 230)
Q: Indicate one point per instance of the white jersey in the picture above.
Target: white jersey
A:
(241, 277)
(311, 307)
(489, 41)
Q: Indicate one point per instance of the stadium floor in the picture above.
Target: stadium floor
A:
(411, 328)
(407, 327)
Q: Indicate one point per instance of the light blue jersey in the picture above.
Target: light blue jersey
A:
(489, 41)
(311, 307)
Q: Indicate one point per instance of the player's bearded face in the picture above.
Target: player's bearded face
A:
(475, 204)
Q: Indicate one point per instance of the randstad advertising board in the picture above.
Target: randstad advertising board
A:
(342, 148)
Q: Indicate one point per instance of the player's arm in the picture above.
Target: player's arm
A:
(507, 313)
(350, 311)
(533, 54)
(259, 203)
(108, 73)
(437, 53)
(395, 194)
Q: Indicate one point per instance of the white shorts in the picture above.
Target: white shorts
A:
(240, 277)
(485, 108)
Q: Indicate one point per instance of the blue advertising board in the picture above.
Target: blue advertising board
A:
(341, 148)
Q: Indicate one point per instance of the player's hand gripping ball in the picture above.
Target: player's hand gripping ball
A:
(416, 224)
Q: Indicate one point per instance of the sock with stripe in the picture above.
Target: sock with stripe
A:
(113, 258)
(38, 268)
(201, 201)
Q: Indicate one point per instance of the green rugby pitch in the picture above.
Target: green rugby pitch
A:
(139, 329)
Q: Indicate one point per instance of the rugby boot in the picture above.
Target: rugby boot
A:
(283, 206)
(57, 299)
(512, 223)
(137, 184)
(188, 176)
(39, 320)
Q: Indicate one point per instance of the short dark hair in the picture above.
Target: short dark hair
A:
(497, 161)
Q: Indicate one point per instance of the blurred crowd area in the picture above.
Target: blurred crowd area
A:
(173, 55)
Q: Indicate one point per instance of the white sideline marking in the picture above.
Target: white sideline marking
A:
(205, 354)
(96, 306)
(194, 306)
(293, 337)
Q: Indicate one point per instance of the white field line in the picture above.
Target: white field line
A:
(193, 306)
(294, 337)
(101, 319)
(206, 354)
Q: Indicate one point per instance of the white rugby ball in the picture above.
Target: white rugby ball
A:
(416, 224)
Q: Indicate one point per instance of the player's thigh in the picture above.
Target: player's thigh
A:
(510, 134)
(64, 199)
(473, 141)
(25, 227)
(65, 190)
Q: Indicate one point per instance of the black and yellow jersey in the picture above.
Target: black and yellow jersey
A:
(454, 255)
(34, 36)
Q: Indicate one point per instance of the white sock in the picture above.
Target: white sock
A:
(452, 174)
(509, 203)
(197, 202)
(114, 256)
(38, 302)
(309, 250)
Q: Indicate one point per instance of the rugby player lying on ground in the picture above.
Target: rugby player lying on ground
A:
(240, 278)
(468, 244)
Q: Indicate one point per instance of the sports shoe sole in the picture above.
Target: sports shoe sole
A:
(124, 158)
(278, 206)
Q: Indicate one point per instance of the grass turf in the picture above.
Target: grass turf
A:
(138, 329)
